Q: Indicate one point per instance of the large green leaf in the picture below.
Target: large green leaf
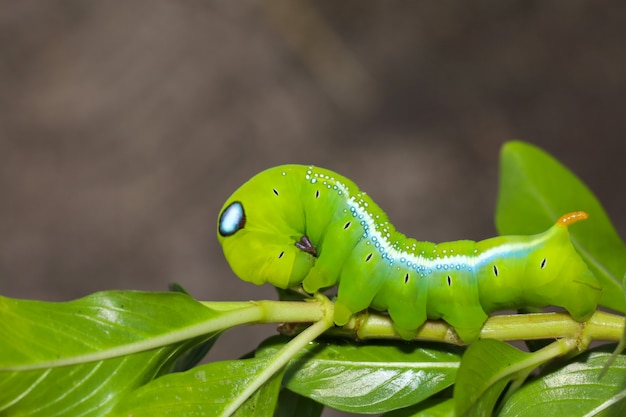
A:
(574, 390)
(486, 369)
(207, 390)
(371, 378)
(78, 358)
(211, 389)
(535, 190)
(263, 402)
(489, 365)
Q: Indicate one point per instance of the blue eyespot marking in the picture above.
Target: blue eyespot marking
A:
(232, 219)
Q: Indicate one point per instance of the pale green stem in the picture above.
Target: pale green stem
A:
(601, 326)
(605, 326)
(553, 350)
(368, 325)
(273, 311)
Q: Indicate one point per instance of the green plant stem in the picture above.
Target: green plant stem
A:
(553, 350)
(605, 326)
(272, 311)
(368, 325)
(601, 326)
(531, 327)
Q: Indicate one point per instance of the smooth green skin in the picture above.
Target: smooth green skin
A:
(376, 266)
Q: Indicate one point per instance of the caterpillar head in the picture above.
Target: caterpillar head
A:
(260, 228)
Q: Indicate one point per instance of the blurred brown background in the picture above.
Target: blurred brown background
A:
(125, 125)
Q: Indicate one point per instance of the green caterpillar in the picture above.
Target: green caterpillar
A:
(297, 224)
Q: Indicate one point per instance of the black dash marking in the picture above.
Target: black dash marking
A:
(317, 193)
(281, 254)
(406, 278)
(449, 281)
(345, 226)
(368, 257)
(543, 263)
(495, 270)
(304, 244)
(275, 191)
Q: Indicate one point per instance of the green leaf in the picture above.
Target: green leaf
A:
(291, 404)
(205, 390)
(84, 390)
(371, 378)
(39, 334)
(78, 358)
(193, 356)
(222, 388)
(263, 402)
(574, 390)
(535, 190)
(489, 365)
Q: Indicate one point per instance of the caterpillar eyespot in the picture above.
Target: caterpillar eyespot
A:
(327, 232)
(232, 219)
